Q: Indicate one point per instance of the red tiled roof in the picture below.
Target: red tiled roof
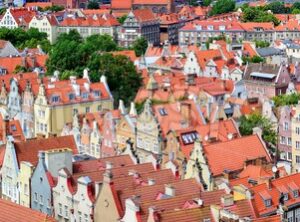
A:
(95, 21)
(144, 15)
(38, 4)
(11, 212)
(273, 191)
(28, 150)
(220, 155)
(275, 218)
(100, 164)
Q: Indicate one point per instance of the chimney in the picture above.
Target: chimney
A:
(227, 200)
(185, 110)
(107, 177)
(86, 74)
(169, 190)
(258, 131)
(151, 182)
(133, 173)
(109, 165)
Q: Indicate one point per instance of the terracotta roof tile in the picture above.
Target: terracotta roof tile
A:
(11, 212)
(220, 155)
(28, 150)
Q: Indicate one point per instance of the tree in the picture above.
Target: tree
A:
(73, 35)
(103, 43)
(286, 99)
(256, 120)
(206, 2)
(277, 8)
(296, 5)
(122, 19)
(140, 46)
(296, 11)
(93, 4)
(122, 77)
(261, 44)
(53, 8)
(256, 14)
(223, 6)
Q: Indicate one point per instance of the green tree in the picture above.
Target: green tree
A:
(277, 7)
(286, 99)
(54, 8)
(256, 120)
(93, 4)
(73, 35)
(256, 14)
(206, 2)
(122, 19)
(261, 44)
(296, 11)
(140, 46)
(123, 79)
(66, 74)
(296, 5)
(103, 43)
(223, 6)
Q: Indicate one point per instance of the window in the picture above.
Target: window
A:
(297, 130)
(66, 211)
(87, 109)
(286, 197)
(35, 196)
(48, 203)
(26, 189)
(85, 95)
(289, 141)
(286, 126)
(282, 140)
(75, 111)
(86, 218)
(97, 93)
(297, 144)
(60, 209)
(99, 107)
(71, 96)
(268, 203)
(289, 155)
(295, 193)
(79, 216)
(297, 159)
(55, 99)
(41, 199)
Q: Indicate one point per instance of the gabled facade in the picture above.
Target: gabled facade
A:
(149, 137)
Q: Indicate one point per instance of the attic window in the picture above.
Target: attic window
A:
(85, 95)
(71, 96)
(189, 138)
(162, 112)
(97, 93)
(267, 202)
(296, 193)
(13, 128)
(55, 99)
(285, 196)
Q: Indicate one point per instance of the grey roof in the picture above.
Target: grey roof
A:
(269, 51)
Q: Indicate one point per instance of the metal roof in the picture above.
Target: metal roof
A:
(262, 75)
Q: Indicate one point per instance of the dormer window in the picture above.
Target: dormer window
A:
(285, 196)
(55, 99)
(296, 193)
(97, 93)
(210, 27)
(85, 95)
(267, 202)
(71, 96)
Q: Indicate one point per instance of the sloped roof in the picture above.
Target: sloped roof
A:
(11, 212)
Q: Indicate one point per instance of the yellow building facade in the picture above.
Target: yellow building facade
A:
(26, 170)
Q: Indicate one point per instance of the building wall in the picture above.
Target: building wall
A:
(27, 116)
(8, 21)
(26, 170)
(296, 140)
(284, 133)
(10, 172)
(41, 197)
(88, 31)
(124, 132)
(14, 99)
(43, 25)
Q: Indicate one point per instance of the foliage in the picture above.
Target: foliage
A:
(53, 8)
(254, 59)
(93, 4)
(277, 8)
(296, 5)
(22, 39)
(296, 11)
(223, 6)
(20, 69)
(121, 74)
(256, 120)
(286, 99)
(2, 11)
(122, 19)
(261, 44)
(140, 46)
(206, 2)
(257, 14)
